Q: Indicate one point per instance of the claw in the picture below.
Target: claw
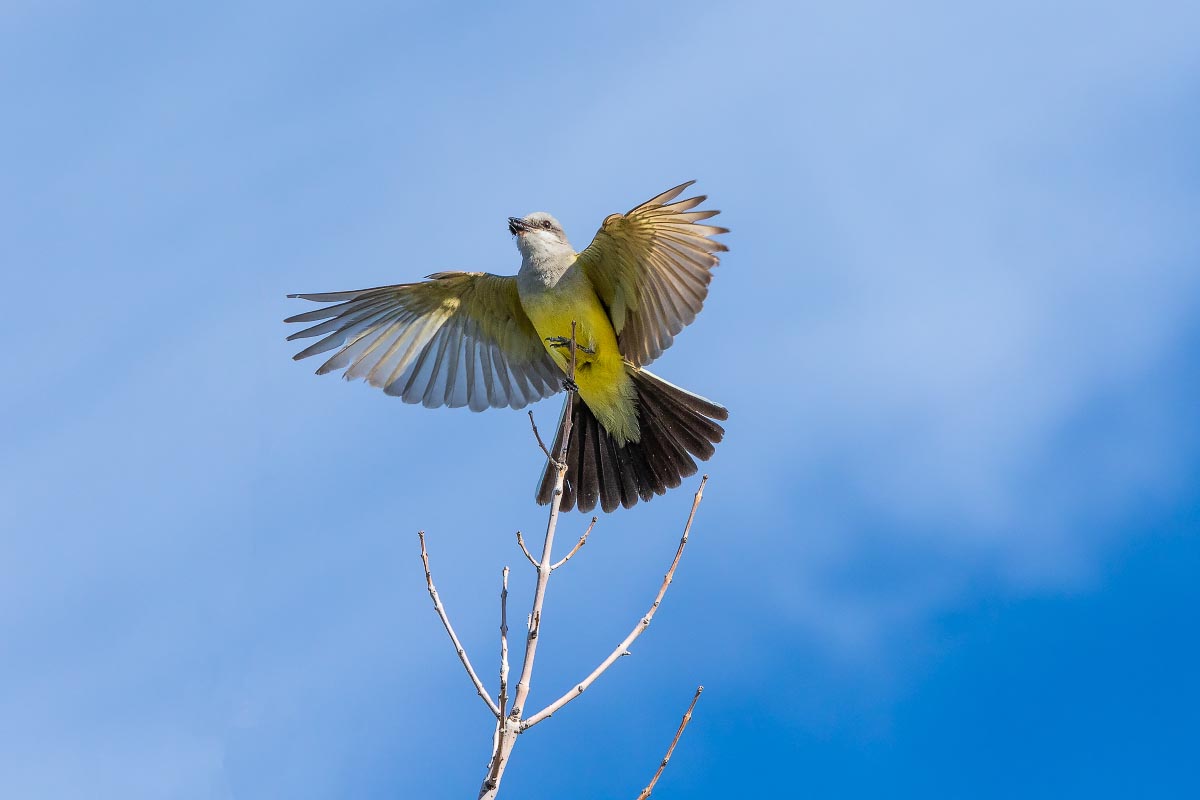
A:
(564, 341)
(570, 385)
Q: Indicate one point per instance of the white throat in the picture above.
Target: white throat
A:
(544, 257)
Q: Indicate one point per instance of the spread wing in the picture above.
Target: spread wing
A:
(459, 339)
(652, 267)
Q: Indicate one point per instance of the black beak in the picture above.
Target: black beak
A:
(516, 226)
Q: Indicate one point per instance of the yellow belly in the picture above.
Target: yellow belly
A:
(601, 376)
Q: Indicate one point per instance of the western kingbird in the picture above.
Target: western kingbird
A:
(480, 340)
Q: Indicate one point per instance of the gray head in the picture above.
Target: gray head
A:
(539, 236)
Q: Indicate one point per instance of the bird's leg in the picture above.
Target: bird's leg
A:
(565, 341)
(570, 385)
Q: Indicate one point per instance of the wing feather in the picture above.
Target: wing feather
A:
(651, 266)
(457, 339)
(454, 379)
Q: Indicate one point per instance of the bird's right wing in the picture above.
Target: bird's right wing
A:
(459, 339)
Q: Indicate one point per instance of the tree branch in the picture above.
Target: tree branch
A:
(575, 549)
(509, 726)
(637, 631)
(544, 564)
(538, 436)
(525, 550)
(458, 648)
(503, 699)
(687, 717)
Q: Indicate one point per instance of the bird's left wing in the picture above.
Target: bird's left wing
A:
(651, 266)
(459, 339)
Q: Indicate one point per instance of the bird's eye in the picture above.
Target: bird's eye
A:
(547, 224)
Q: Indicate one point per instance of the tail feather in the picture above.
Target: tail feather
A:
(587, 489)
(702, 406)
(635, 475)
(612, 486)
(676, 426)
(669, 460)
(692, 431)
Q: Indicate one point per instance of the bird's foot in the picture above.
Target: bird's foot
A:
(565, 341)
(570, 385)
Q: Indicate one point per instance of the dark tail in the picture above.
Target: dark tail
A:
(675, 425)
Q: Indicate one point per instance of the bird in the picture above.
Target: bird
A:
(482, 341)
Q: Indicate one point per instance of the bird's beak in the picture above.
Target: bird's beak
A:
(517, 226)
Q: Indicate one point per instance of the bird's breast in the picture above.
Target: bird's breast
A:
(552, 309)
(600, 374)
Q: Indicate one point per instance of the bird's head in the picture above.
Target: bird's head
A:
(539, 236)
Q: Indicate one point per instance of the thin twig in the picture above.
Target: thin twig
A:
(458, 648)
(575, 549)
(525, 550)
(538, 436)
(503, 699)
(687, 717)
(623, 647)
(572, 374)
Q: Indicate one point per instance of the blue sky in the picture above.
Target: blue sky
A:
(948, 547)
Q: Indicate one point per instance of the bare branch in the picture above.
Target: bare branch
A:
(509, 726)
(503, 697)
(575, 549)
(538, 436)
(687, 717)
(458, 648)
(544, 566)
(525, 550)
(637, 631)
